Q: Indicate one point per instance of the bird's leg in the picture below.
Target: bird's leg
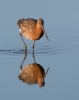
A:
(33, 46)
(23, 43)
(34, 57)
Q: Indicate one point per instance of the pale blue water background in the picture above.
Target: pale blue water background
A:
(60, 54)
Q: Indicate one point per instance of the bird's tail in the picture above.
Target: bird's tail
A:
(20, 21)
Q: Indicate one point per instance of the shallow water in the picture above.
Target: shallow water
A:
(61, 82)
(60, 53)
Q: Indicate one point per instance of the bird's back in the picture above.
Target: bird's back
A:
(27, 25)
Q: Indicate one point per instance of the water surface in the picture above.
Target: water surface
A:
(60, 54)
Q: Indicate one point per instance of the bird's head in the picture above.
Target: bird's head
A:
(40, 23)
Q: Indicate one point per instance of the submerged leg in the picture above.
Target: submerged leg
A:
(33, 46)
(25, 47)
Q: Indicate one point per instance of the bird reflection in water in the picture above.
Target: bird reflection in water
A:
(32, 73)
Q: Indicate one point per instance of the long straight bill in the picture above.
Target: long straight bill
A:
(46, 72)
(45, 32)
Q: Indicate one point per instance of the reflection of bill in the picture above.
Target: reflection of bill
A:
(33, 73)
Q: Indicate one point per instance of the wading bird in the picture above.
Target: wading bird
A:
(32, 29)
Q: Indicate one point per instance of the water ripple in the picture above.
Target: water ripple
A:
(21, 51)
(51, 48)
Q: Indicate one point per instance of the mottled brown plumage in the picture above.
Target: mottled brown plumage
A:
(33, 73)
(32, 29)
